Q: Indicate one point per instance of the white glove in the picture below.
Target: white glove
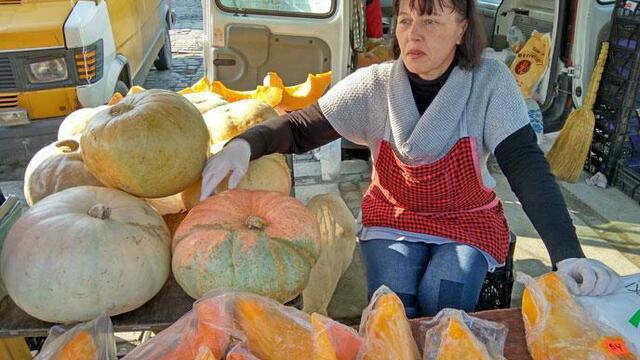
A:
(588, 277)
(233, 157)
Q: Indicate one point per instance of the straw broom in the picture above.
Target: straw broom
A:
(569, 153)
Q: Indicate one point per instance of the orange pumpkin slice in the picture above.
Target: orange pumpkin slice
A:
(268, 94)
(457, 341)
(332, 340)
(272, 334)
(558, 328)
(387, 333)
(302, 95)
(81, 346)
(205, 353)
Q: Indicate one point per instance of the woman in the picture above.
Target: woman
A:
(431, 225)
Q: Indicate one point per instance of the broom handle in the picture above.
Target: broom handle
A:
(594, 84)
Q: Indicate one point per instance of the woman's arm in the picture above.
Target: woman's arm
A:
(296, 132)
(530, 178)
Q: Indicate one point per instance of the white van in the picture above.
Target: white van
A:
(245, 39)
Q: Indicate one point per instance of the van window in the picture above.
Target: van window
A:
(301, 8)
(492, 2)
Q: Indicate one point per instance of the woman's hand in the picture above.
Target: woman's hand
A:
(588, 277)
(234, 158)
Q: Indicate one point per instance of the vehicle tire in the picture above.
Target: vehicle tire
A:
(121, 88)
(163, 62)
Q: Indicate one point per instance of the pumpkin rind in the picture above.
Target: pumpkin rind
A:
(205, 101)
(228, 121)
(54, 168)
(215, 248)
(151, 144)
(61, 264)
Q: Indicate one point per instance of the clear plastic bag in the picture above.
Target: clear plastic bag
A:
(386, 329)
(333, 340)
(204, 330)
(453, 334)
(515, 39)
(240, 352)
(93, 340)
(557, 327)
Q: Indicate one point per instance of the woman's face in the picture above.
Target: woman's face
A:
(428, 42)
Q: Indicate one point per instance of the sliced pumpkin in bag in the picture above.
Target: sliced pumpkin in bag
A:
(386, 330)
(135, 89)
(81, 346)
(271, 333)
(333, 340)
(557, 327)
(457, 341)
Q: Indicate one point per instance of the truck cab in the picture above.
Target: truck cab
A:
(58, 56)
(245, 39)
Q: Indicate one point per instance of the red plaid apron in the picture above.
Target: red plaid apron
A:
(446, 198)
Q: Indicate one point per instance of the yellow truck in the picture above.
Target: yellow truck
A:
(60, 55)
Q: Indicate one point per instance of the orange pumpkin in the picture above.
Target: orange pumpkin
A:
(302, 95)
(257, 241)
(81, 346)
(386, 330)
(332, 340)
(271, 333)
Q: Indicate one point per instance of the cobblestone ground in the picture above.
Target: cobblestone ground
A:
(186, 48)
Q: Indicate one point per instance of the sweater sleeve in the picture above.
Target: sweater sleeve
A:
(530, 178)
(293, 133)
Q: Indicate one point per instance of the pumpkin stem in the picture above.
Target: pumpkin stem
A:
(100, 211)
(119, 109)
(255, 222)
(67, 146)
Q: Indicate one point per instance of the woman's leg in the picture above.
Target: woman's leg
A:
(397, 264)
(453, 279)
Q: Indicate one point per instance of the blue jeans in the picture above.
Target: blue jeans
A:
(426, 277)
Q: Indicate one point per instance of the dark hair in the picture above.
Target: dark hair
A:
(469, 53)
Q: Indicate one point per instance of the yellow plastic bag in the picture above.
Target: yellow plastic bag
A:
(557, 327)
(531, 62)
(455, 335)
(338, 241)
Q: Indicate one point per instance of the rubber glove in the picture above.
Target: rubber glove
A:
(588, 277)
(234, 158)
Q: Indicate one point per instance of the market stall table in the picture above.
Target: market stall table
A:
(172, 302)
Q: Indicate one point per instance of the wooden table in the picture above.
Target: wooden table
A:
(172, 302)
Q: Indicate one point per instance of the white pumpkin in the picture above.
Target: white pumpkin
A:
(73, 125)
(84, 251)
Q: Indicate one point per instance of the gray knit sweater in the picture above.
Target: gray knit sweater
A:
(376, 103)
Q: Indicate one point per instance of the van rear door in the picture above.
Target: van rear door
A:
(245, 39)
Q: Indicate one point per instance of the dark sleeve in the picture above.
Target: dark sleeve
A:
(530, 178)
(293, 133)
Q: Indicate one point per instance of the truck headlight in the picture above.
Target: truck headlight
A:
(47, 71)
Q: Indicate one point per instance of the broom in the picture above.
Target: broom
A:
(569, 153)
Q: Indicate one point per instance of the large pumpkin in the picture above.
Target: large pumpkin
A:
(257, 241)
(227, 121)
(54, 168)
(151, 144)
(74, 124)
(84, 251)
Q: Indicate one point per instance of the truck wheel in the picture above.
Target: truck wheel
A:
(121, 88)
(163, 62)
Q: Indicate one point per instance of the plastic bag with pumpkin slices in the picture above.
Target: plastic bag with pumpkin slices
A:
(93, 340)
(453, 334)
(203, 333)
(386, 329)
(557, 327)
